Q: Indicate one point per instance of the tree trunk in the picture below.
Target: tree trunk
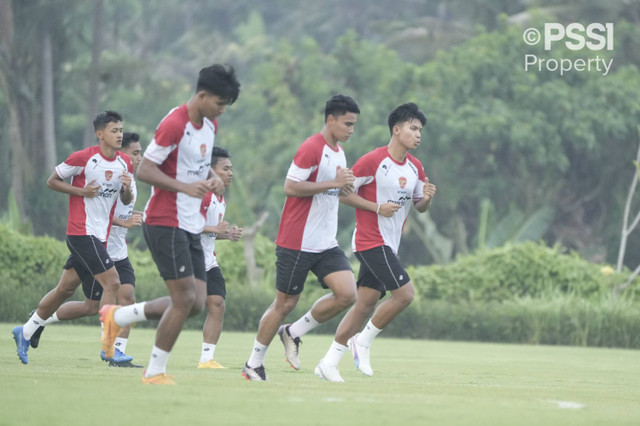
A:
(93, 102)
(10, 86)
(48, 113)
(249, 238)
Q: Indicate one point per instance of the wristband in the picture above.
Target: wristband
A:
(378, 211)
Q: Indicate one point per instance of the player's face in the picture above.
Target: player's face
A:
(342, 126)
(111, 135)
(409, 133)
(212, 106)
(224, 169)
(134, 150)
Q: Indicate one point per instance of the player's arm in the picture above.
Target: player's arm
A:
(134, 220)
(428, 191)
(221, 230)
(126, 196)
(149, 172)
(344, 179)
(56, 183)
(356, 201)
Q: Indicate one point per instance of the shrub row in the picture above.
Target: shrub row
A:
(526, 293)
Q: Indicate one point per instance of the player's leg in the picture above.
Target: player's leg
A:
(390, 276)
(216, 293)
(65, 288)
(334, 272)
(292, 268)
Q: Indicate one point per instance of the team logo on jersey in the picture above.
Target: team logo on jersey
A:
(403, 182)
(219, 217)
(108, 174)
(203, 150)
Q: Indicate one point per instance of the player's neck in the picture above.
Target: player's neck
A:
(328, 137)
(397, 151)
(107, 151)
(194, 112)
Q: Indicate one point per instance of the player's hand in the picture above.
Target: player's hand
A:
(223, 229)
(346, 190)
(344, 177)
(125, 180)
(91, 190)
(429, 190)
(388, 209)
(235, 234)
(197, 189)
(216, 184)
(134, 220)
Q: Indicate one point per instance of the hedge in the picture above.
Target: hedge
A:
(522, 293)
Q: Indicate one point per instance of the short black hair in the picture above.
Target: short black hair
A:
(217, 154)
(128, 138)
(219, 80)
(104, 118)
(340, 105)
(406, 112)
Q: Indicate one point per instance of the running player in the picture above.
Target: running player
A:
(306, 238)
(177, 163)
(124, 217)
(388, 180)
(99, 175)
(213, 208)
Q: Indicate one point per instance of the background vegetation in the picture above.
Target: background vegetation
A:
(517, 156)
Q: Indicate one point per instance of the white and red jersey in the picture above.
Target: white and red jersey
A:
(183, 152)
(117, 242)
(213, 209)
(310, 223)
(92, 216)
(381, 179)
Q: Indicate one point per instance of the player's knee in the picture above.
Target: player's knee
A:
(345, 299)
(405, 297)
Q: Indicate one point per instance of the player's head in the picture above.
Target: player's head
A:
(406, 113)
(221, 163)
(131, 146)
(340, 116)
(339, 105)
(104, 118)
(221, 81)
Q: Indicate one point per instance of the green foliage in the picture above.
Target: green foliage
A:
(525, 293)
(514, 271)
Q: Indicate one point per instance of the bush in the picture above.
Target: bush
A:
(525, 293)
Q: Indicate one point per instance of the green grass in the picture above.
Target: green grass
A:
(415, 382)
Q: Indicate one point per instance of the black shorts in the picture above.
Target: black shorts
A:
(93, 290)
(88, 256)
(215, 282)
(293, 266)
(177, 253)
(381, 270)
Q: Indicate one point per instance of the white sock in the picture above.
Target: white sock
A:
(369, 332)
(52, 319)
(158, 362)
(334, 354)
(257, 354)
(121, 343)
(127, 315)
(31, 325)
(208, 349)
(304, 325)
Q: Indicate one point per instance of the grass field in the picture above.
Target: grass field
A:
(415, 383)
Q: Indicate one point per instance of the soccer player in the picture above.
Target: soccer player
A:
(306, 238)
(213, 208)
(388, 180)
(177, 163)
(99, 175)
(124, 217)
